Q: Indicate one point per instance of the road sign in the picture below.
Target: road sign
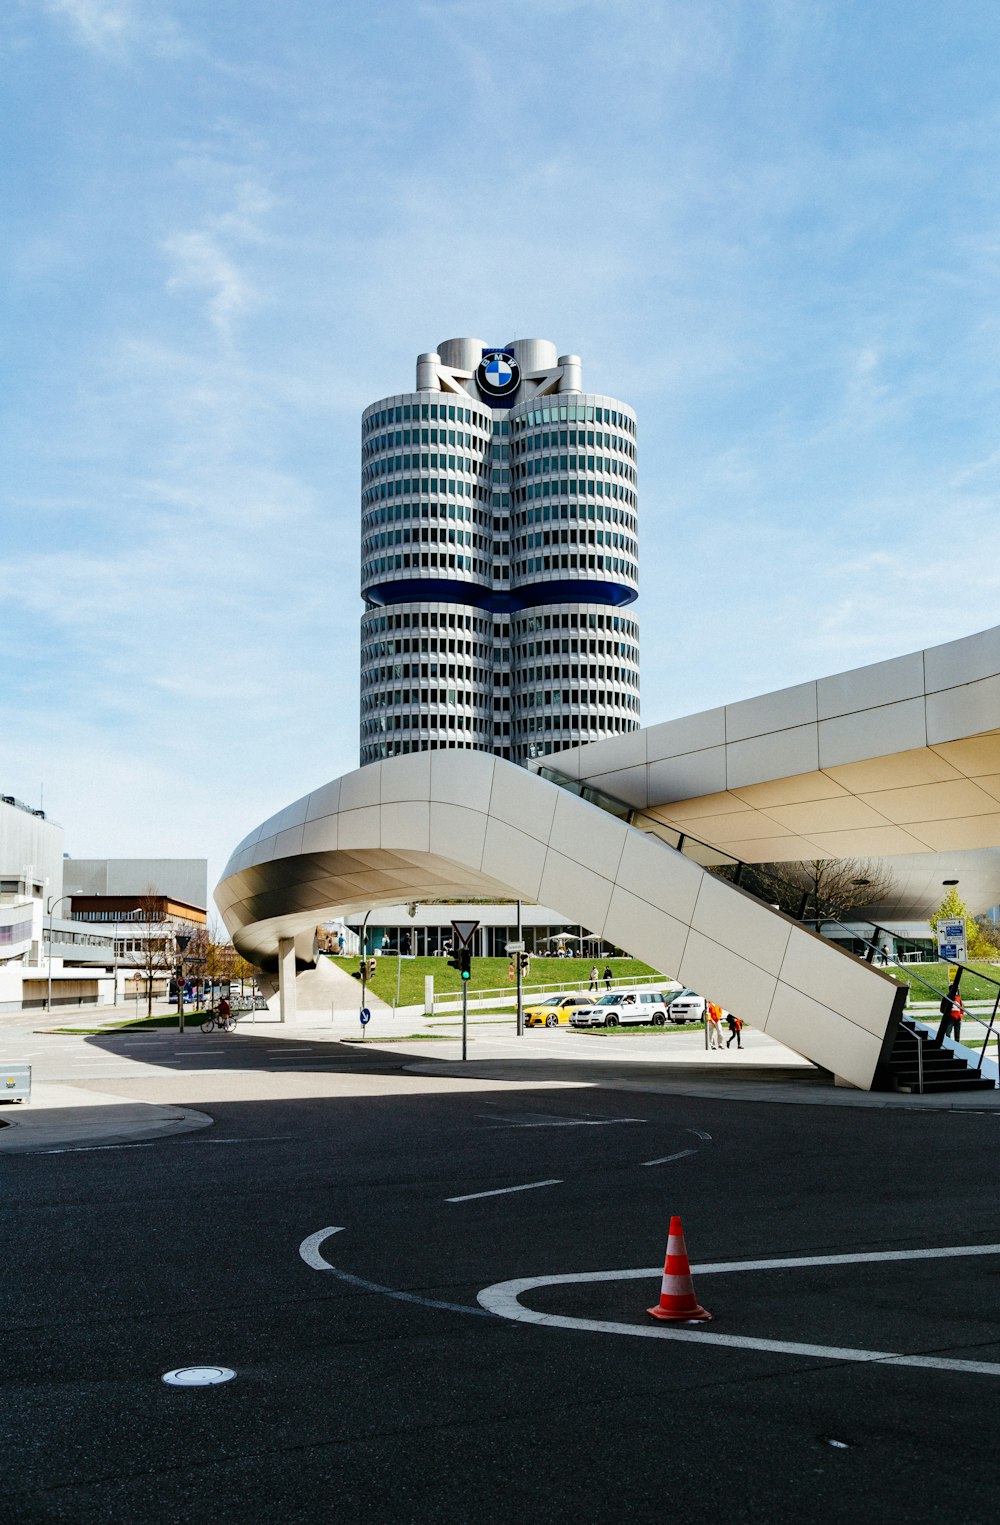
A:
(366, 1016)
(465, 931)
(951, 941)
(513, 947)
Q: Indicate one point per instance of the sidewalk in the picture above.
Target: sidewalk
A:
(725, 1082)
(62, 1115)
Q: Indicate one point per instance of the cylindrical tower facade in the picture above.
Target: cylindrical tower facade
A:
(499, 551)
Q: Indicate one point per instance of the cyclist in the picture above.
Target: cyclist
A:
(224, 1013)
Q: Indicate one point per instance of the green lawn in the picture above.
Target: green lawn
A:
(488, 974)
(135, 1024)
(920, 976)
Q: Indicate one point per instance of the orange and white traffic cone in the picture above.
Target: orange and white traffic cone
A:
(677, 1300)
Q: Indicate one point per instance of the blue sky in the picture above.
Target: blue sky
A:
(770, 225)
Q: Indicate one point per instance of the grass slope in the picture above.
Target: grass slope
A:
(489, 974)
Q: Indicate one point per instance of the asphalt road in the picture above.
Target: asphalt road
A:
(351, 1402)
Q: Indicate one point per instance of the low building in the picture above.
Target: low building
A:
(79, 932)
(428, 930)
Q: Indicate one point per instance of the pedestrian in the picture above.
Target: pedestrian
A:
(883, 955)
(952, 1012)
(713, 1020)
(595, 980)
(608, 976)
(735, 1025)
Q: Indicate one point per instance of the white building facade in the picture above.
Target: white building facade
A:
(499, 557)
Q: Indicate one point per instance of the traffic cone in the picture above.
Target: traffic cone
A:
(677, 1300)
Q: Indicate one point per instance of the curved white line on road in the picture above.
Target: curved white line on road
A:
(503, 1299)
(309, 1251)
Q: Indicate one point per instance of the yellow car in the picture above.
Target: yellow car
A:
(554, 1011)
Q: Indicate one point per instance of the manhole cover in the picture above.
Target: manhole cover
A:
(198, 1376)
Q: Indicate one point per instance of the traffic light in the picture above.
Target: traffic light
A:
(462, 961)
(525, 962)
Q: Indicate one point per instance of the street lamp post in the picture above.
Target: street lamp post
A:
(50, 906)
(181, 940)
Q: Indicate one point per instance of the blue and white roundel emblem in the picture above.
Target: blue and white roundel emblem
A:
(498, 374)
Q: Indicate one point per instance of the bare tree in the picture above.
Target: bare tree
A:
(832, 884)
(151, 951)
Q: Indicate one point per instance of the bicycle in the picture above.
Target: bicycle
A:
(213, 1021)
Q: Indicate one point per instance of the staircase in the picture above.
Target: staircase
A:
(943, 1069)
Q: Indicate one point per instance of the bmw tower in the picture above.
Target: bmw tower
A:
(498, 557)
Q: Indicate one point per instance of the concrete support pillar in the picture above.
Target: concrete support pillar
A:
(286, 979)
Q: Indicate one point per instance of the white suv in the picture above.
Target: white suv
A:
(621, 1007)
(688, 1006)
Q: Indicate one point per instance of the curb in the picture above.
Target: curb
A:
(133, 1122)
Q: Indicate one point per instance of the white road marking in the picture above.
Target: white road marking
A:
(503, 1300)
(269, 1138)
(682, 1154)
(93, 1148)
(309, 1250)
(845, 1260)
(564, 1122)
(698, 1134)
(503, 1191)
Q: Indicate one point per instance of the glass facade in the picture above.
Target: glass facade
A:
(498, 553)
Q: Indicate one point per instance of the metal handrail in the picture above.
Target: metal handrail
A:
(723, 865)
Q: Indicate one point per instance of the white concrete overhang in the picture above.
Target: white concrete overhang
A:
(895, 758)
(456, 823)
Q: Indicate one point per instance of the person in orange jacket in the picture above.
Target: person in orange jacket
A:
(713, 1019)
(735, 1025)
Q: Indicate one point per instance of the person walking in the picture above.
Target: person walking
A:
(713, 1020)
(735, 1025)
(608, 976)
(951, 1025)
(595, 980)
(952, 1012)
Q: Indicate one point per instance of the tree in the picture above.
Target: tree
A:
(990, 933)
(954, 908)
(151, 952)
(210, 956)
(834, 885)
(243, 971)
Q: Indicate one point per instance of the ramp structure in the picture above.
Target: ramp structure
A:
(441, 824)
(902, 757)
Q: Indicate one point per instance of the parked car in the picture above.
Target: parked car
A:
(554, 1011)
(686, 1006)
(621, 1008)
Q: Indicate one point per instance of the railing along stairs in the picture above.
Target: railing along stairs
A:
(919, 1060)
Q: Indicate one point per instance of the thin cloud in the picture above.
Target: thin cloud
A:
(113, 27)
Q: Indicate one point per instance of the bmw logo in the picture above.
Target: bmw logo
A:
(498, 374)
